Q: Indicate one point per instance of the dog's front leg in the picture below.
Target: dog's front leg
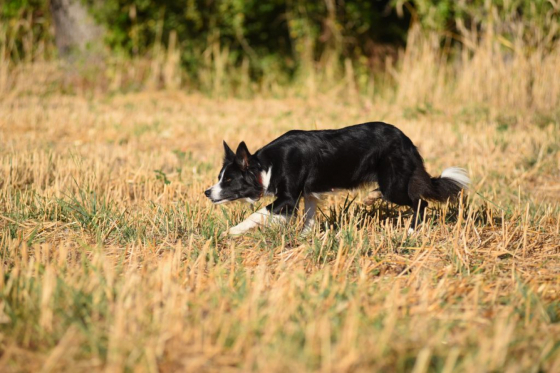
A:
(277, 212)
(254, 220)
(309, 213)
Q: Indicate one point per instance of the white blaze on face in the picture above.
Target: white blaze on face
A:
(216, 190)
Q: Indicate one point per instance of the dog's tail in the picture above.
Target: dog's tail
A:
(442, 188)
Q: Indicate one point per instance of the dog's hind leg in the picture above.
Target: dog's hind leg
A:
(419, 208)
(406, 189)
(417, 185)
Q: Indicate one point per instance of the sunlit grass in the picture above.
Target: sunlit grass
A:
(112, 258)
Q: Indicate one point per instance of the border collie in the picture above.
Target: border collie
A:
(305, 164)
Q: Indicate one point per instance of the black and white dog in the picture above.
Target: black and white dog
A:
(305, 164)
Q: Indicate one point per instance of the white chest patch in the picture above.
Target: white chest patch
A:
(265, 177)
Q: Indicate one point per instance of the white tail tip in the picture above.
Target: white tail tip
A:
(459, 175)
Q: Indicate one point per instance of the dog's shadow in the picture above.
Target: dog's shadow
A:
(386, 213)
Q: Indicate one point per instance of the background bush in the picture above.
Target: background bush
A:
(281, 37)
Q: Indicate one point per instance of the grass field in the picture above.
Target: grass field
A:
(112, 257)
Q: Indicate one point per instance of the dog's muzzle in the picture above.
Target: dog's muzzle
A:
(208, 193)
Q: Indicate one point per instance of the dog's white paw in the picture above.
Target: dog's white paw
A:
(410, 231)
(306, 232)
(235, 231)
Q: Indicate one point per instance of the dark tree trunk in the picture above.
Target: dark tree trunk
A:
(75, 29)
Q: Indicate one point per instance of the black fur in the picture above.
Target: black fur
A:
(306, 162)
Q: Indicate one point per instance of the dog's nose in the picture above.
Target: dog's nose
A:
(207, 193)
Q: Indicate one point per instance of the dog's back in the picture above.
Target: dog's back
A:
(319, 161)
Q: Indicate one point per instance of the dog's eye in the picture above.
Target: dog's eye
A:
(228, 180)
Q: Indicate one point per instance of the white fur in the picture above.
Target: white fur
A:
(309, 212)
(458, 175)
(222, 202)
(216, 189)
(216, 192)
(265, 177)
(259, 218)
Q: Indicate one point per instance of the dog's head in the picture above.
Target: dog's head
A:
(238, 178)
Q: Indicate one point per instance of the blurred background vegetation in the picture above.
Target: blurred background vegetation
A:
(243, 47)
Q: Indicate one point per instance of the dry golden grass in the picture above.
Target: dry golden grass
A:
(112, 257)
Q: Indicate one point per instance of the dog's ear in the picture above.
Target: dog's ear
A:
(242, 156)
(230, 155)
